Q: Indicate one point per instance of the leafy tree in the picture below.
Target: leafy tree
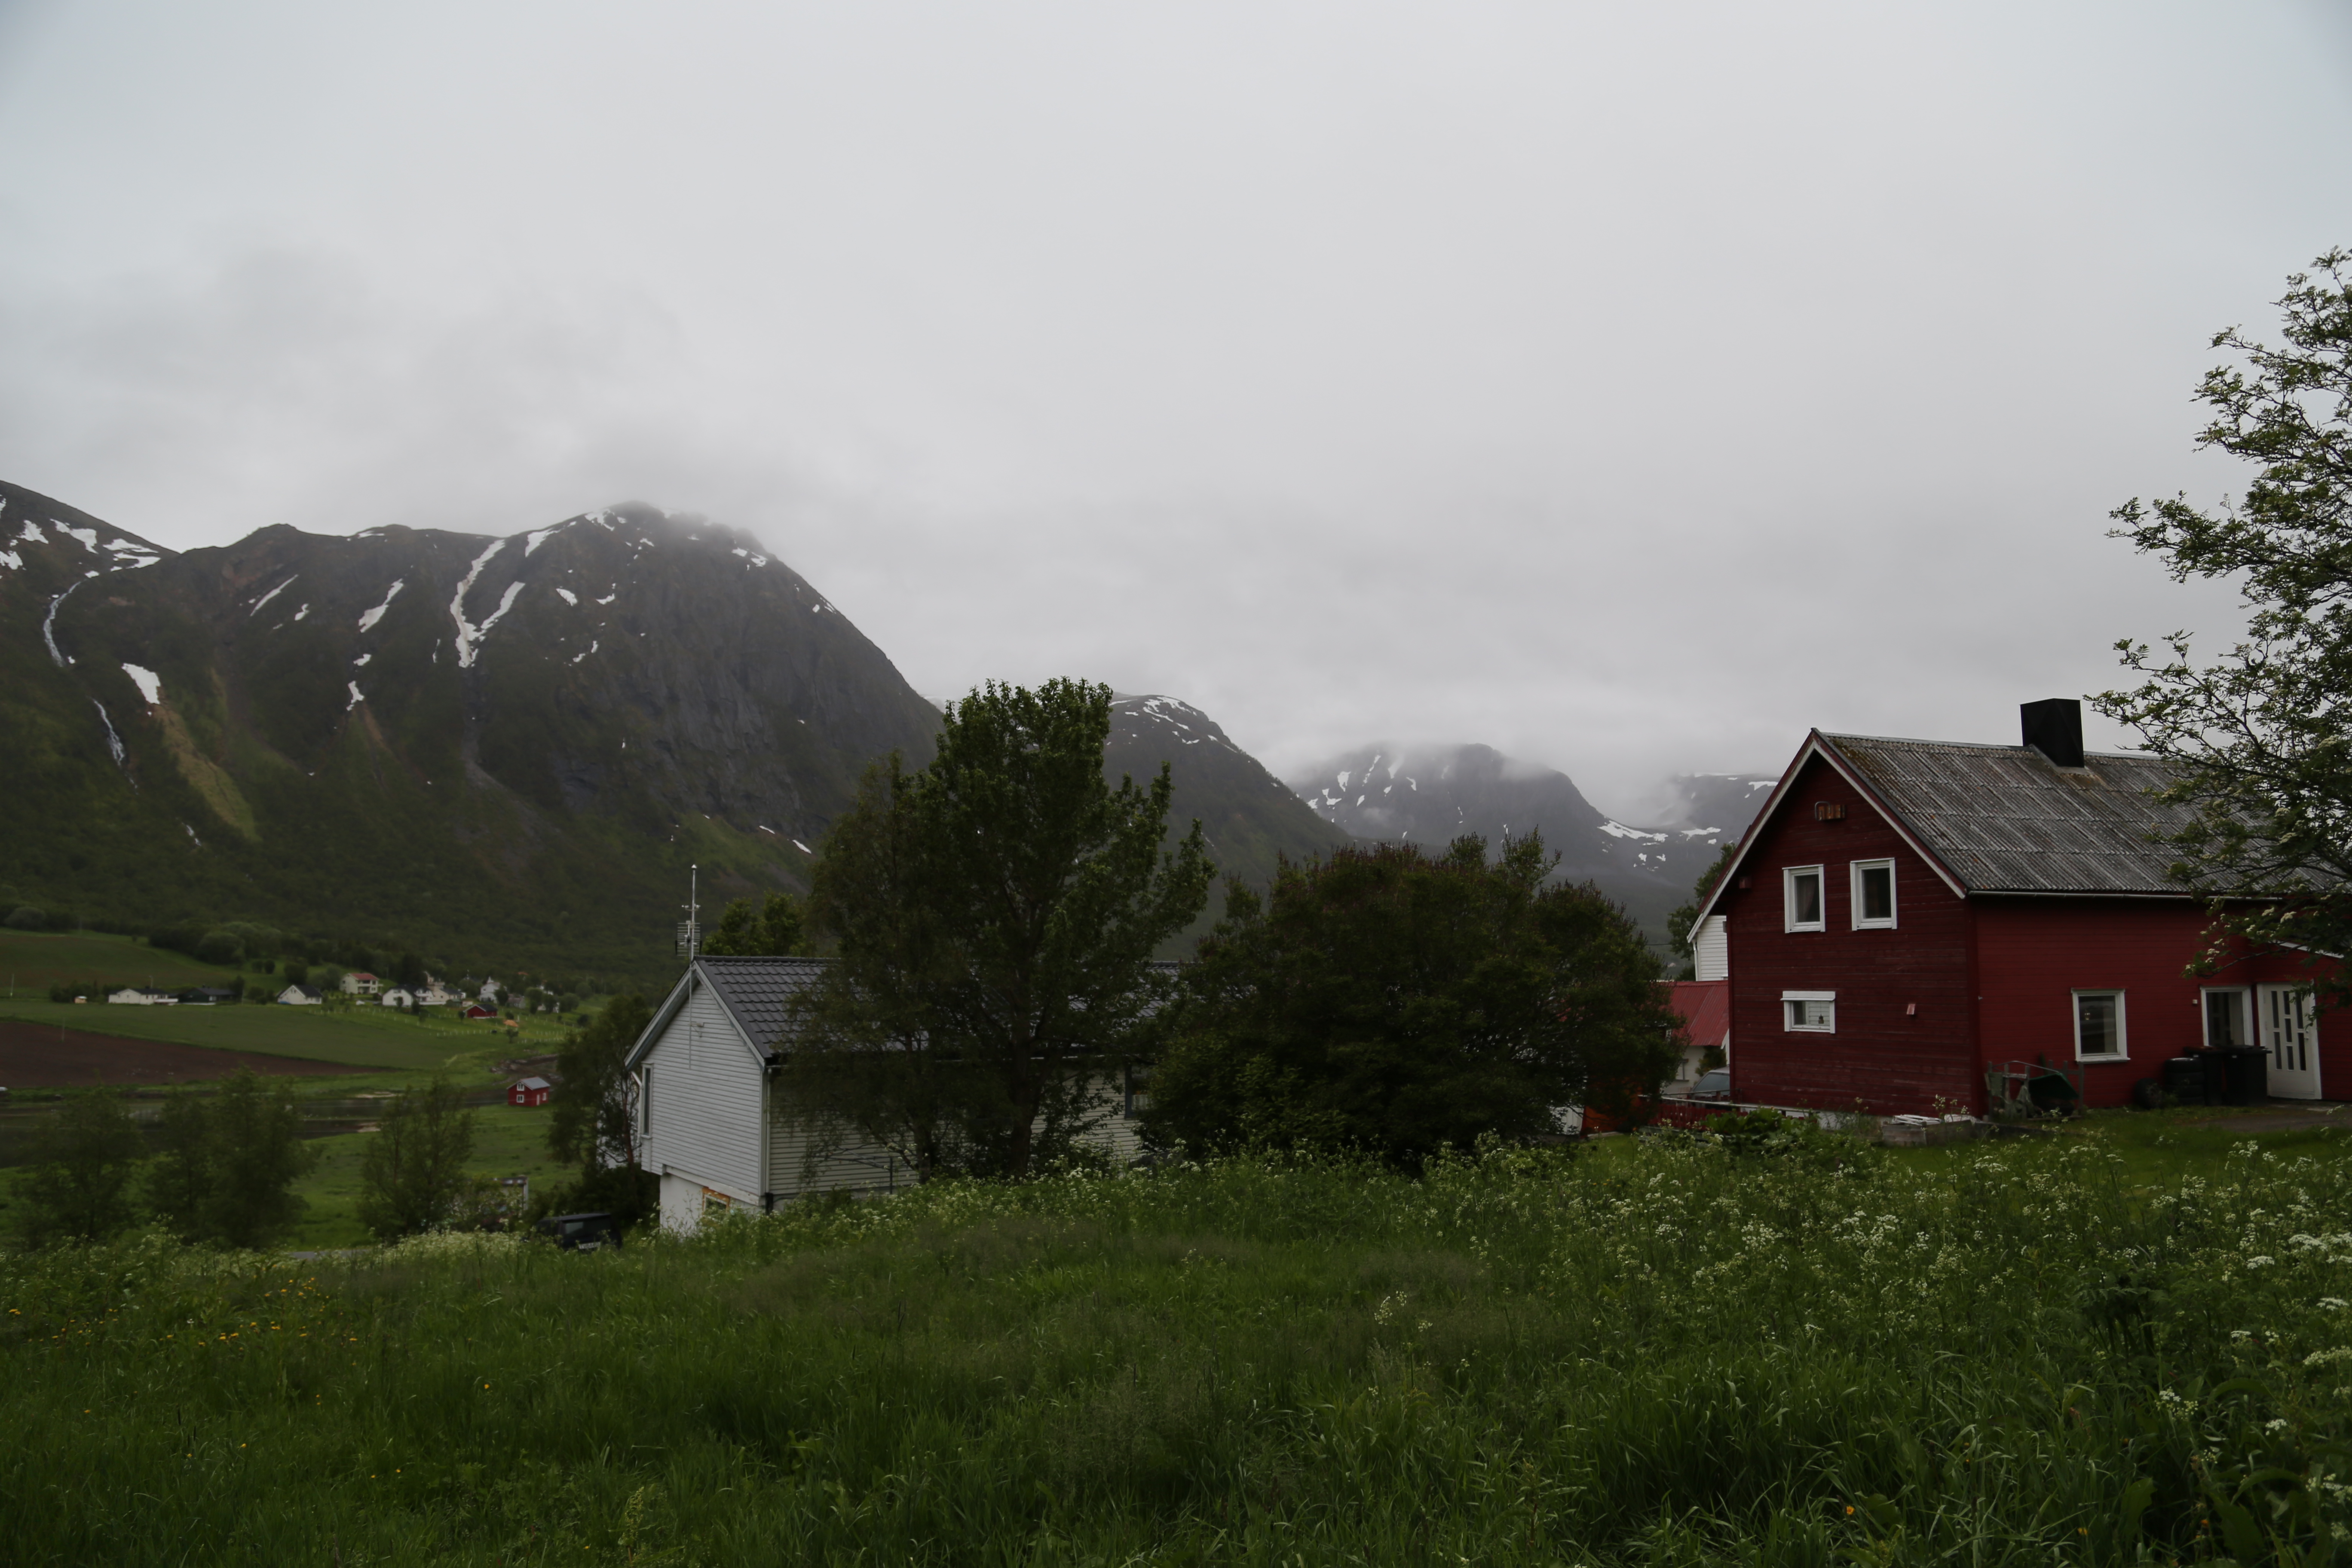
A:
(592, 1113)
(409, 971)
(2258, 738)
(226, 1165)
(995, 916)
(866, 1063)
(1391, 1002)
(1680, 920)
(413, 1172)
(179, 1178)
(776, 930)
(80, 1188)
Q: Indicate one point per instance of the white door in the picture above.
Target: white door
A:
(2291, 1035)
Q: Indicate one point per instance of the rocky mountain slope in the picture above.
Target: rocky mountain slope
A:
(504, 749)
(516, 743)
(1434, 795)
(1249, 816)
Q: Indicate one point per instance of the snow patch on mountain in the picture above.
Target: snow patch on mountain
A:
(368, 621)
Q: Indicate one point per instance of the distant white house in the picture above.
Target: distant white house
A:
(489, 995)
(360, 984)
(433, 994)
(398, 996)
(706, 1098)
(133, 996)
(300, 997)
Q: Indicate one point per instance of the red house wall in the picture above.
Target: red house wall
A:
(1906, 1038)
(2034, 953)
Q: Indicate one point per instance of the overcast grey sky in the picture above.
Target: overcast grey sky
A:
(1629, 388)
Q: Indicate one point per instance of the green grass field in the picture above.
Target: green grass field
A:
(358, 1036)
(1651, 1354)
(31, 962)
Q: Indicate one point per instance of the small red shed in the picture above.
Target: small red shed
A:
(476, 1010)
(1905, 915)
(528, 1091)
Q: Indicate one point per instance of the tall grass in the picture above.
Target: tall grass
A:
(1676, 1356)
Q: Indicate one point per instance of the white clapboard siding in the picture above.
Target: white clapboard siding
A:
(855, 1164)
(706, 1094)
(1711, 950)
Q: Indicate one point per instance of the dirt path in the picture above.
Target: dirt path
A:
(42, 1055)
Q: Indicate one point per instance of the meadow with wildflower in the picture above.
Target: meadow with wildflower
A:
(1680, 1351)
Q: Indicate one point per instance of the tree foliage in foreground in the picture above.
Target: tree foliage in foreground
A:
(592, 1118)
(595, 1119)
(80, 1186)
(226, 1162)
(995, 916)
(412, 1175)
(1389, 1001)
(2260, 736)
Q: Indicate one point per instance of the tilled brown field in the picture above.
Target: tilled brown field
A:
(41, 1056)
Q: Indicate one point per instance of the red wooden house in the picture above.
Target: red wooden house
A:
(528, 1091)
(1905, 915)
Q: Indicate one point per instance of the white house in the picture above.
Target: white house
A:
(705, 1084)
(488, 995)
(398, 996)
(433, 994)
(299, 997)
(360, 984)
(132, 996)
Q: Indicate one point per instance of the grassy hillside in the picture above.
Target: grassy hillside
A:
(34, 960)
(2012, 1354)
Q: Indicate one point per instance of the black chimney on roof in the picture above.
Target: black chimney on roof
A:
(2054, 727)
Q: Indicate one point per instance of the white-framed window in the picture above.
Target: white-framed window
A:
(2099, 1026)
(2226, 1017)
(1804, 899)
(1873, 895)
(1810, 1012)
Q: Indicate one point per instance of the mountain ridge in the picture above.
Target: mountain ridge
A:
(512, 744)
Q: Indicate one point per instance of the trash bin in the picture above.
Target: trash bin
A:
(2184, 1080)
(2247, 1074)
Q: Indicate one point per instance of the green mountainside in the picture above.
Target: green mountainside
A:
(501, 753)
(504, 750)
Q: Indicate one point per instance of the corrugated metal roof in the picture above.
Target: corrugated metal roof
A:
(2005, 820)
(758, 992)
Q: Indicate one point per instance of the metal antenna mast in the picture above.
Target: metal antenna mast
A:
(689, 929)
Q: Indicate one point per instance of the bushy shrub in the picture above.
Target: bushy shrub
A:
(221, 946)
(24, 916)
(83, 1159)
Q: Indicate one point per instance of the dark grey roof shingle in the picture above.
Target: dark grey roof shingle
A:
(2005, 820)
(758, 992)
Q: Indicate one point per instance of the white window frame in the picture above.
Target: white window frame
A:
(1827, 1026)
(2122, 1053)
(2248, 1024)
(1854, 876)
(1789, 875)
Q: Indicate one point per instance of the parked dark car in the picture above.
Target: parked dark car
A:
(1715, 1084)
(582, 1232)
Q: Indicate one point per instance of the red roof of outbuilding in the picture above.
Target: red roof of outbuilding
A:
(1705, 1008)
